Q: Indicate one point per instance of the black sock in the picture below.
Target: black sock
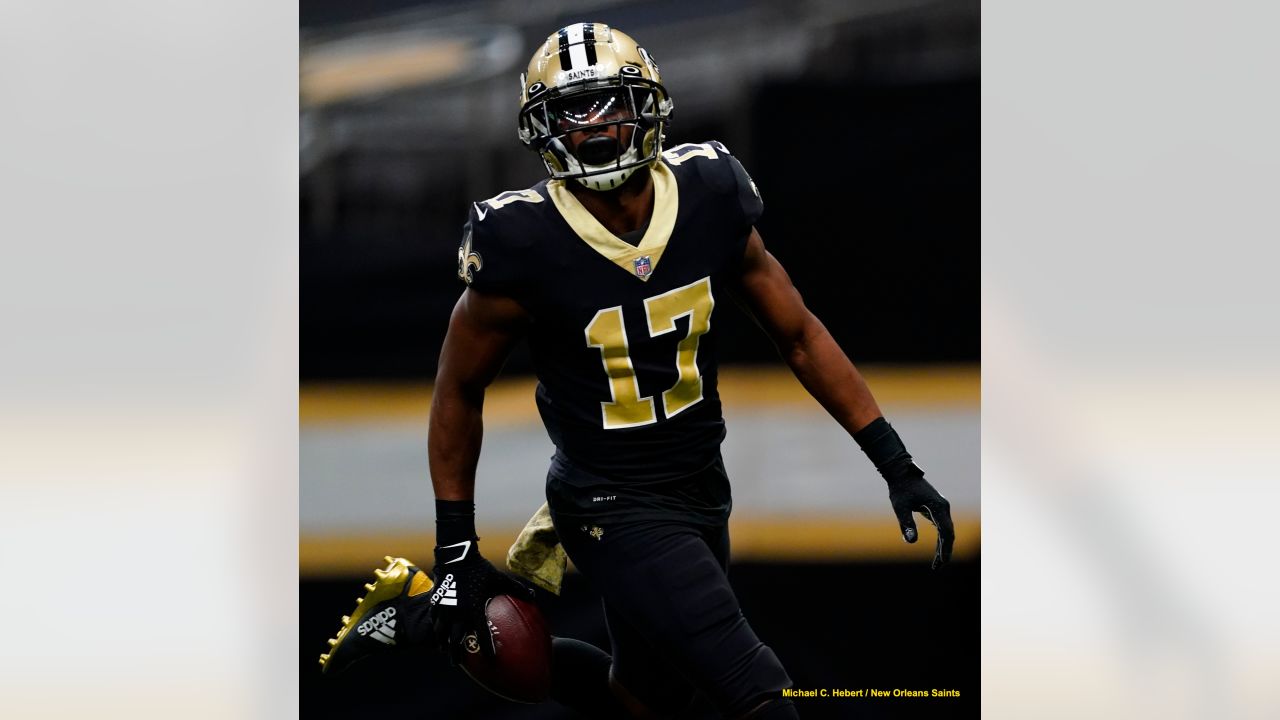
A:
(580, 679)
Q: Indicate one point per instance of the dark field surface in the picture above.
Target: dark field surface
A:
(835, 626)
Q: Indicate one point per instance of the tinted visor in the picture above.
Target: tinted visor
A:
(591, 108)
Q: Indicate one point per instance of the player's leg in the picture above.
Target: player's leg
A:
(768, 706)
(580, 679)
(641, 675)
(666, 582)
(642, 678)
(643, 670)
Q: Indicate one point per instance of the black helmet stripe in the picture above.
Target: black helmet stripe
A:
(577, 46)
(589, 41)
(565, 62)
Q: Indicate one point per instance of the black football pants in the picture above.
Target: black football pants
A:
(673, 619)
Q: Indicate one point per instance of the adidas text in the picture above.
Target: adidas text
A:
(447, 593)
(381, 627)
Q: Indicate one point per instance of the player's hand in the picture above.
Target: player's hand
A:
(910, 492)
(465, 581)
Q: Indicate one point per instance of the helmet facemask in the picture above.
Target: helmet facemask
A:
(598, 132)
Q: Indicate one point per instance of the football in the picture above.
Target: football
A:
(520, 668)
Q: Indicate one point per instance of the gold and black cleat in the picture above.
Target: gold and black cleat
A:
(395, 605)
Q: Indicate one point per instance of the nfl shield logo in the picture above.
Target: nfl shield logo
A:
(643, 267)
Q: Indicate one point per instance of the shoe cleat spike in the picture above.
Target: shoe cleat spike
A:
(333, 641)
(324, 659)
(346, 619)
(368, 586)
(382, 574)
(390, 560)
(358, 601)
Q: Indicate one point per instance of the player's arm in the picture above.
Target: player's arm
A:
(482, 330)
(826, 372)
(803, 341)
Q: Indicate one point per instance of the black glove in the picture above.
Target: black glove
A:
(464, 582)
(908, 490)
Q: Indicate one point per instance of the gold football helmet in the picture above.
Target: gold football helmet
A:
(593, 106)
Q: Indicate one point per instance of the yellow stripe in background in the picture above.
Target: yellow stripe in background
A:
(510, 401)
(799, 538)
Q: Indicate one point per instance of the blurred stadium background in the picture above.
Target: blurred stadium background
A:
(859, 122)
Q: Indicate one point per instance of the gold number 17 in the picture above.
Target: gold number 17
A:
(606, 333)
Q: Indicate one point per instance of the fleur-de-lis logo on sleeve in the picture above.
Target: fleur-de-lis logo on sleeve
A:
(469, 261)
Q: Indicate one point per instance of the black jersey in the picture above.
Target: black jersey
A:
(623, 336)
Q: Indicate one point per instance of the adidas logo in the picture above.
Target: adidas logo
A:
(447, 593)
(380, 627)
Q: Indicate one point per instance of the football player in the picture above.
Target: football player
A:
(616, 268)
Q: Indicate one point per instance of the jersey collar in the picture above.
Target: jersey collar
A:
(640, 261)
